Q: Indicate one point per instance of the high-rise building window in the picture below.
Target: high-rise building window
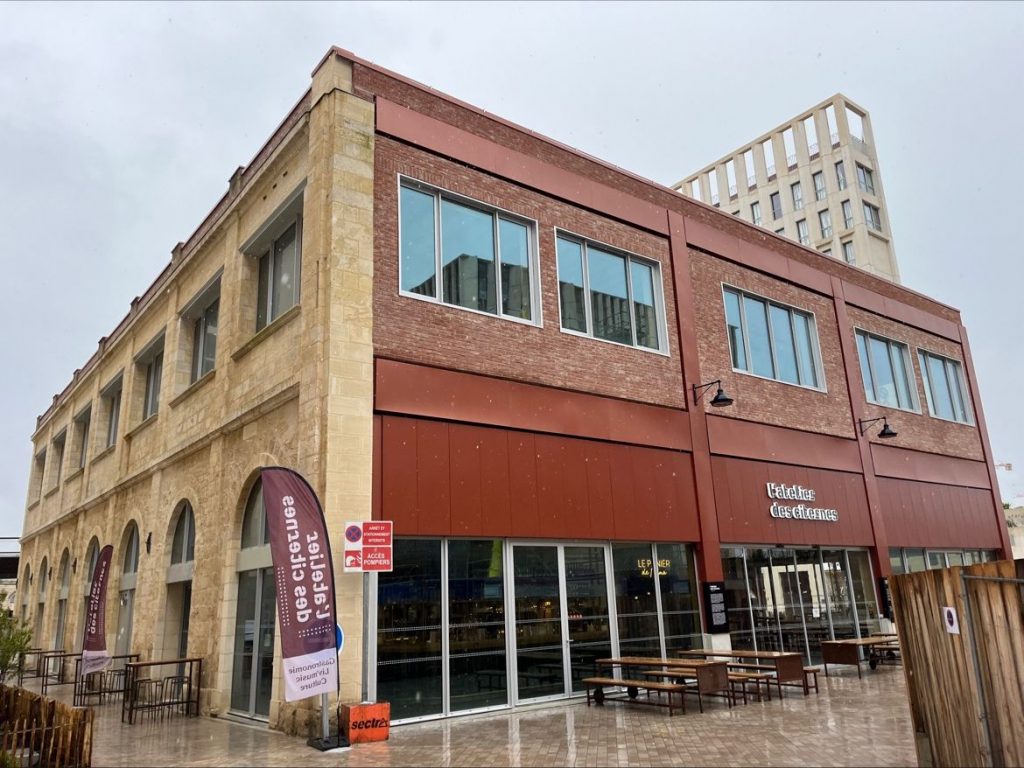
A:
(780, 231)
(713, 185)
(865, 179)
(803, 233)
(819, 185)
(730, 177)
(825, 220)
(848, 252)
(755, 212)
(798, 196)
(855, 120)
(748, 165)
(841, 175)
(771, 340)
(769, 157)
(695, 189)
(847, 214)
(790, 144)
(776, 201)
(873, 216)
(833, 128)
(886, 371)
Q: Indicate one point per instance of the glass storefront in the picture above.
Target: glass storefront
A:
(790, 599)
(468, 625)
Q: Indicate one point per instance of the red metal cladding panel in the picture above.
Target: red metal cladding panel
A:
(497, 487)
(465, 473)
(938, 516)
(905, 464)
(398, 474)
(598, 464)
(744, 505)
(525, 483)
(433, 478)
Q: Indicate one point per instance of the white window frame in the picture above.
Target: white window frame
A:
(847, 208)
(960, 381)
(83, 427)
(873, 217)
(796, 191)
(816, 347)
(193, 314)
(497, 213)
(776, 215)
(659, 292)
(755, 212)
(908, 366)
(803, 232)
(841, 179)
(820, 193)
(865, 179)
(849, 255)
(113, 393)
(825, 222)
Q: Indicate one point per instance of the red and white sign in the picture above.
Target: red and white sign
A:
(368, 546)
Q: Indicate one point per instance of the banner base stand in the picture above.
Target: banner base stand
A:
(331, 742)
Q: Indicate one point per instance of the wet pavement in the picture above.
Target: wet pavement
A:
(850, 722)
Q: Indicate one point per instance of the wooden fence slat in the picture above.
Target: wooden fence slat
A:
(33, 727)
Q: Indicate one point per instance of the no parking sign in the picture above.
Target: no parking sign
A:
(368, 546)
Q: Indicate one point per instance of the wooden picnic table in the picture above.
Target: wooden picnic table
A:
(788, 666)
(708, 677)
(879, 647)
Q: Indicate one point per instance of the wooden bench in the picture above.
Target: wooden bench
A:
(757, 678)
(596, 685)
(810, 681)
(811, 677)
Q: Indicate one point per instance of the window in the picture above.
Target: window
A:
(150, 364)
(826, 251)
(798, 196)
(111, 397)
(730, 177)
(802, 232)
(841, 175)
(466, 255)
(825, 220)
(771, 340)
(713, 185)
(38, 468)
(865, 179)
(885, 368)
(755, 212)
(944, 387)
(776, 201)
(608, 295)
(819, 185)
(82, 422)
(278, 289)
(833, 129)
(183, 543)
(780, 231)
(790, 145)
(873, 216)
(748, 164)
(811, 135)
(58, 457)
(848, 252)
(847, 214)
(204, 342)
(855, 121)
(769, 157)
(695, 189)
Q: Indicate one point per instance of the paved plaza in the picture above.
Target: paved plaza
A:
(850, 722)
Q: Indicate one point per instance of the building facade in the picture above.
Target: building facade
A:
(814, 179)
(442, 319)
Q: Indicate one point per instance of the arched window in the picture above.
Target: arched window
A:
(253, 669)
(25, 587)
(129, 571)
(37, 634)
(183, 546)
(92, 556)
(62, 600)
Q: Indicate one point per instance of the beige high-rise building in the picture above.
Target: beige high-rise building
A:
(814, 179)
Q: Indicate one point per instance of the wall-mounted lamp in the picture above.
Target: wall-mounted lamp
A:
(718, 401)
(74, 565)
(149, 542)
(885, 432)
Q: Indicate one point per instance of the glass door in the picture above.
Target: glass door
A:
(253, 670)
(589, 625)
(815, 602)
(538, 621)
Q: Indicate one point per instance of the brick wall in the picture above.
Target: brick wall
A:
(419, 331)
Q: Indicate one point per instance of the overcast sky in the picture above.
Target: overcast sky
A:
(120, 125)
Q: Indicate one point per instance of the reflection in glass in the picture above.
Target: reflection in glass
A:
(762, 600)
(476, 625)
(915, 560)
(735, 325)
(570, 285)
(514, 247)
(864, 591)
(757, 335)
(785, 353)
(586, 595)
(409, 630)
(814, 599)
(609, 296)
(680, 604)
(467, 257)
(896, 561)
(840, 598)
(538, 622)
(642, 277)
(635, 599)
(245, 641)
(418, 242)
(737, 598)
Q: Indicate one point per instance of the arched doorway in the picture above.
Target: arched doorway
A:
(62, 601)
(252, 674)
(126, 589)
(92, 556)
(179, 581)
(37, 633)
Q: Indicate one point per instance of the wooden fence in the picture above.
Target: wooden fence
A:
(965, 666)
(36, 730)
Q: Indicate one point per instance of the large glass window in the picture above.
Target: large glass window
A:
(803, 232)
(865, 179)
(873, 217)
(772, 340)
(776, 202)
(755, 212)
(183, 544)
(409, 630)
(625, 300)
(204, 341)
(636, 601)
(62, 602)
(825, 222)
(819, 185)
(680, 603)
(841, 175)
(798, 195)
(748, 165)
(129, 575)
(278, 288)
(481, 258)
(885, 367)
(944, 387)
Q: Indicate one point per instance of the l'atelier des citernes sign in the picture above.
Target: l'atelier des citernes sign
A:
(782, 492)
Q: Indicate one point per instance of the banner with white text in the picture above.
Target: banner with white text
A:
(304, 576)
(94, 644)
